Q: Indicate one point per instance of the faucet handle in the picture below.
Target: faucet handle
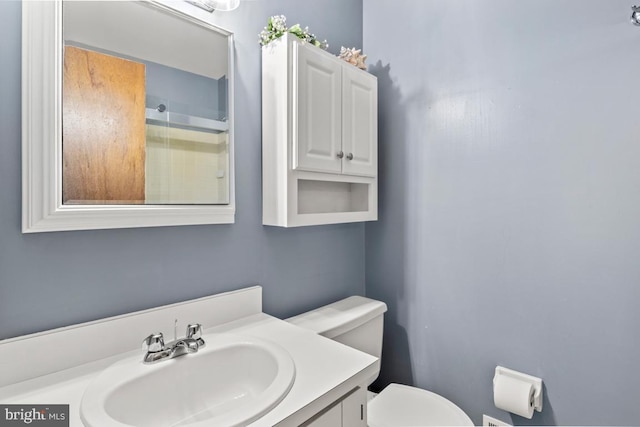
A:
(194, 330)
(153, 343)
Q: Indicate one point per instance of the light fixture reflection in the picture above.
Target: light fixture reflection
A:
(211, 5)
(635, 15)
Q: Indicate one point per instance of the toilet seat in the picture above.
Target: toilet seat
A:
(400, 405)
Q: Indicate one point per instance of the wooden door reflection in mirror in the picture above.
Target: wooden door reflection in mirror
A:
(103, 128)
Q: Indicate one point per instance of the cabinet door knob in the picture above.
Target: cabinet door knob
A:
(350, 156)
(340, 154)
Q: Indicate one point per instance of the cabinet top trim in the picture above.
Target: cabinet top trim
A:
(289, 39)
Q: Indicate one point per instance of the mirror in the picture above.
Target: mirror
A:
(144, 108)
(128, 117)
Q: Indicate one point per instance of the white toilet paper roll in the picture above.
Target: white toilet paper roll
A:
(513, 395)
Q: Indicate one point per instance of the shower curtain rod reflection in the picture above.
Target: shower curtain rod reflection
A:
(159, 116)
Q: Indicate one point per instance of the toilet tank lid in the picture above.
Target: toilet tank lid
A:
(341, 316)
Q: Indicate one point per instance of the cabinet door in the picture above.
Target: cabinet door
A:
(330, 417)
(317, 140)
(359, 122)
(354, 409)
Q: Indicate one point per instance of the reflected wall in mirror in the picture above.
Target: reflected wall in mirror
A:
(127, 116)
(144, 117)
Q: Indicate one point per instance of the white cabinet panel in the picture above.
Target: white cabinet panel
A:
(329, 418)
(354, 409)
(319, 111)
(349, 411)
(359, 122)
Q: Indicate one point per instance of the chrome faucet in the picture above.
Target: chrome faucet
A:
(156, 350)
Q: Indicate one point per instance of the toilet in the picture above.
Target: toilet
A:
(358, 322)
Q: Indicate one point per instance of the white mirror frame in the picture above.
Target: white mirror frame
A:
(42, 208)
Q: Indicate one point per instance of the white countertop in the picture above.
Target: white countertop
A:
(325, 371)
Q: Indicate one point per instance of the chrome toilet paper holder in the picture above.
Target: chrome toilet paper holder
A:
(534, 381)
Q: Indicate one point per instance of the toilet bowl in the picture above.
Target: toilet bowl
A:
(358, 322)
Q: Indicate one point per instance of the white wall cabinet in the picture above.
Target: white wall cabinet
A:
(319, 137)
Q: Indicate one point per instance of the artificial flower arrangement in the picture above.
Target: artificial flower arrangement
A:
(277, 27)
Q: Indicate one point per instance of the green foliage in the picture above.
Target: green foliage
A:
(277, 27)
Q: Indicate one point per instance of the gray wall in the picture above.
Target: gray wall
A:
(509, 227)
(183, 92)
(55, 279)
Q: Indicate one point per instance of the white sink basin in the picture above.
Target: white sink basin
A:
(232, 381)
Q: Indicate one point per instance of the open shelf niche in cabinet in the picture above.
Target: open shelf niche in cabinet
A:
(319, 137)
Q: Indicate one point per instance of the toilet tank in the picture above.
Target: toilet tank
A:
(355, 321)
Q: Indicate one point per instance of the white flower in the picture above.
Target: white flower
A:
(279, 23)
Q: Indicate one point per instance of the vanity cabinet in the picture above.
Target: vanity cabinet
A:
(350, 411)
(319, 137)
